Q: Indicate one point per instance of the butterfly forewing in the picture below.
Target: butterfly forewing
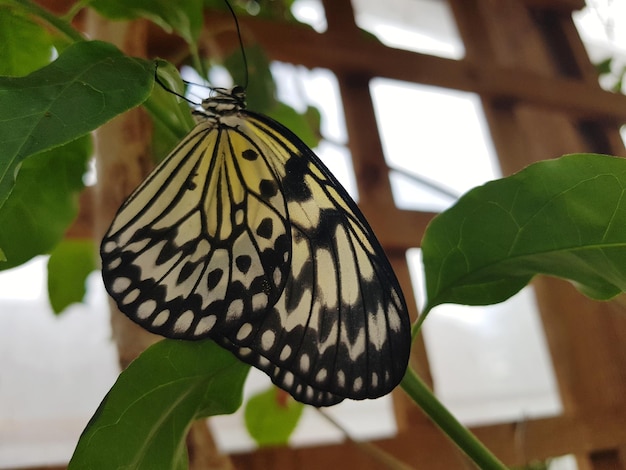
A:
(243, 235)
(195, 248)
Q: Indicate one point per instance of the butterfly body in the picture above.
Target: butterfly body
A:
(242, 235)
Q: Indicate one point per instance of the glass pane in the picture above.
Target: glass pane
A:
(602, 28)
(55, 369)
(310, 12)
(425, 26)
(435, 141)
(300, 87)
(489, 364)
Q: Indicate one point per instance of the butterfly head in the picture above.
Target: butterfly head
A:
(225, 101)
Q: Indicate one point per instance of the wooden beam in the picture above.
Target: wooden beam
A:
(366, 57)
(424, 446)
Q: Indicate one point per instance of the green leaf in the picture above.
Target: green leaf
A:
(142, 422)
(604, 67)
(261, 90)
(68, 267)
(89, 84)
(271, 420)
(44, 201)
(562, 217)
(171, 115)
(299, 124)
(26, 46)
(183, 17)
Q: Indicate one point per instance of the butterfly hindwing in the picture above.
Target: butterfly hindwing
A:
(243, 235)
(340, 324)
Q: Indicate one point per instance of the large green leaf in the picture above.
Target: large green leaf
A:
(183, 17)
(563, 217)
(142, 422)
(26, 46)
(69, 264)
(44, 202)
(89, 83)
(270, 419)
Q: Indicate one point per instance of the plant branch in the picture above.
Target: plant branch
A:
(439, 414)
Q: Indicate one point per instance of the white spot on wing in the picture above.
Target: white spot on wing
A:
(137, 246)
(235, 309)
(288, 380)
(326, 280)
(109, 246)
(267, 340)
(115, 263)
(183, 323)
(146, 309)
(244, 331)
(131, 296)
(341, 378)
(377, 328)
(305, 363)
(285, 353)
(120, 285)
(393, 318)
(205, 324)
(259, 301)
(161, 318)
(374, 381)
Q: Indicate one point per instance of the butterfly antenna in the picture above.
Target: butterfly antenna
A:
(166, 87)
(243, 51)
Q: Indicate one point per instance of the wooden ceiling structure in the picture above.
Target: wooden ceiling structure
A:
(541, 97)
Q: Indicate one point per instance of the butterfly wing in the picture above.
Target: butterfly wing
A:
(340, 328)
(243, 235)
(196, 248)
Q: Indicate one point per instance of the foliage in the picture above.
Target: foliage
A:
(146, 415)
(561, 217)
(69, 264)
(271, 416)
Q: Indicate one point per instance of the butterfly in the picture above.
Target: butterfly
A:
(242, 235)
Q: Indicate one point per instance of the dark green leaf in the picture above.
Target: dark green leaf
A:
(299, 124)
(90, 83)
(185, 18)
(270, 420)
(26, 46)
(171, 115)
(261, 90)
(70, 263)
(604, 66)
(44, 201)
(142, 422)
(562, 217)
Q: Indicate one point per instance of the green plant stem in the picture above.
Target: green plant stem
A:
(59, 24)
(439, 414)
